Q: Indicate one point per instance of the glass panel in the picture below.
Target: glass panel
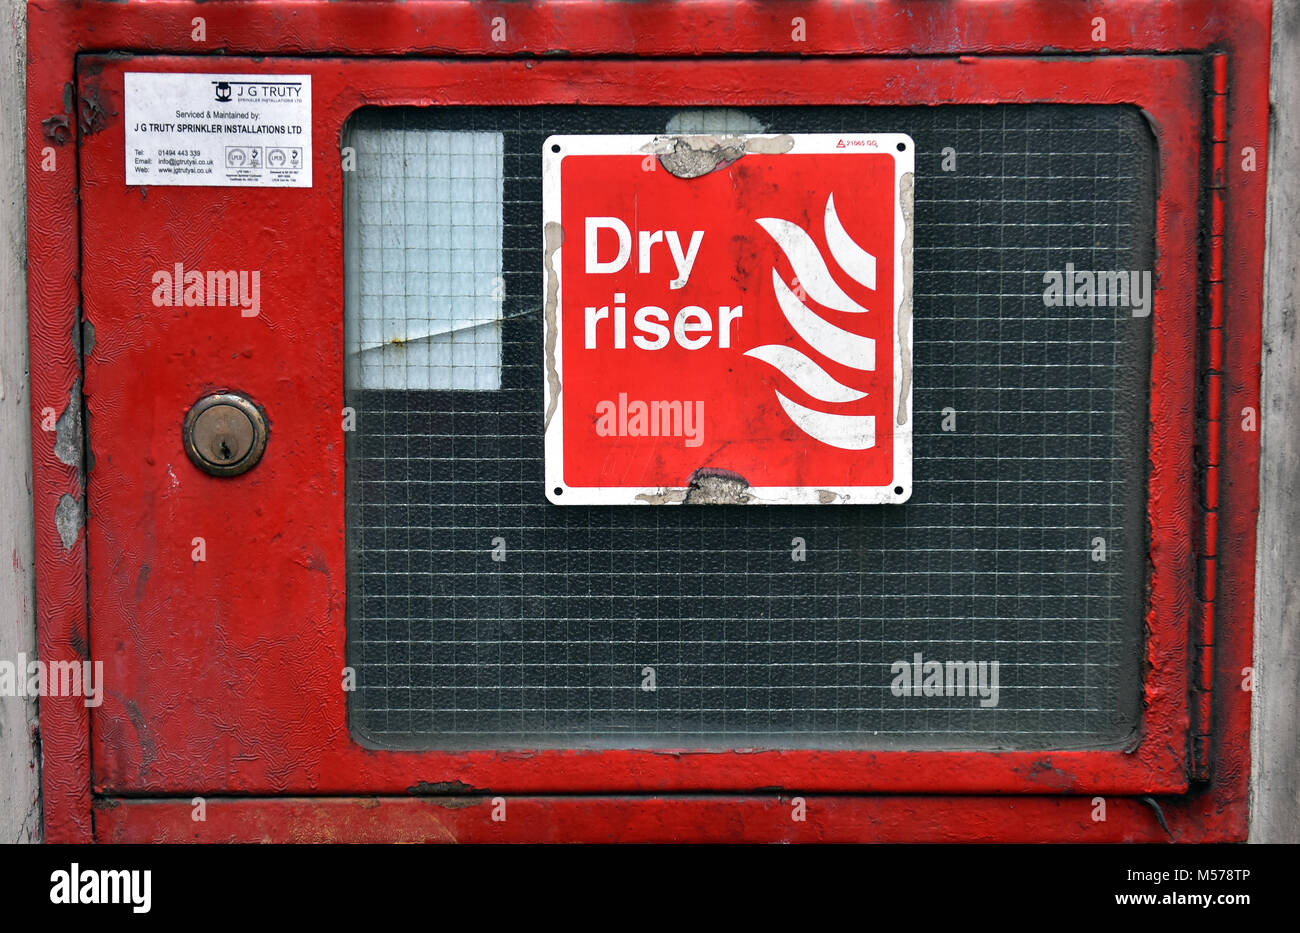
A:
(990, 561)
(423, 255)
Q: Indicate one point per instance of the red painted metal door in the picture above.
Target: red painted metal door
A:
(218, 604)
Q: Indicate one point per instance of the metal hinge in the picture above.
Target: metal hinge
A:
(1211, 442)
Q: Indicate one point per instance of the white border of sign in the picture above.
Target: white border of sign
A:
(559, 492)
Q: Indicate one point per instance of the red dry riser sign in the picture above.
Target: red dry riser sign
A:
(751, 323)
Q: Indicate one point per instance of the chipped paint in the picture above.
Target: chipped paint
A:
(905, 186)
(694, 156)
(92, 115)
(1044, 772)
(440, 788)
(68, 429)
(457, 803)
(712, 486)
(553, 236)
(68, 520)
(56, 129)
(663, 497)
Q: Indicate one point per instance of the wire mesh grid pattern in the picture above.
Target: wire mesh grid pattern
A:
(424, 276)
(992, 559)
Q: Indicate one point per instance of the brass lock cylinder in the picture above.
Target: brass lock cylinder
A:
(225, 434)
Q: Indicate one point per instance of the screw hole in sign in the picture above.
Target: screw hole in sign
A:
(898, 490)
(902, 147)
(559, 491)
(555, 148)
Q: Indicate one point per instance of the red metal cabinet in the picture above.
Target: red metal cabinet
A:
(223, 673)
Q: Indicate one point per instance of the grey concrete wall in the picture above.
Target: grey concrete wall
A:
(1275, 739)
(20, 815)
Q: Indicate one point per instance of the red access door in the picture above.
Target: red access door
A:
(208, 591)
(218, 602)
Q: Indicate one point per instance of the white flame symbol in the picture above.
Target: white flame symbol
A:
(848, 432)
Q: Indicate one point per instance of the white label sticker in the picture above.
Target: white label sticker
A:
(247, 131)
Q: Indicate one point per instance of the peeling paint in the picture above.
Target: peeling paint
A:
(67, 430)
(1044, 772)
(458, 803)
(88, 455)
(707, 486)
(663, 497)
(554, 239)
(711, 486)
(56, 129)
(905, 186)
(93, 113)
(92, 116)
(437, 788)
(694, 156)
(68, 519)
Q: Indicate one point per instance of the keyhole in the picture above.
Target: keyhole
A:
(225, 434)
